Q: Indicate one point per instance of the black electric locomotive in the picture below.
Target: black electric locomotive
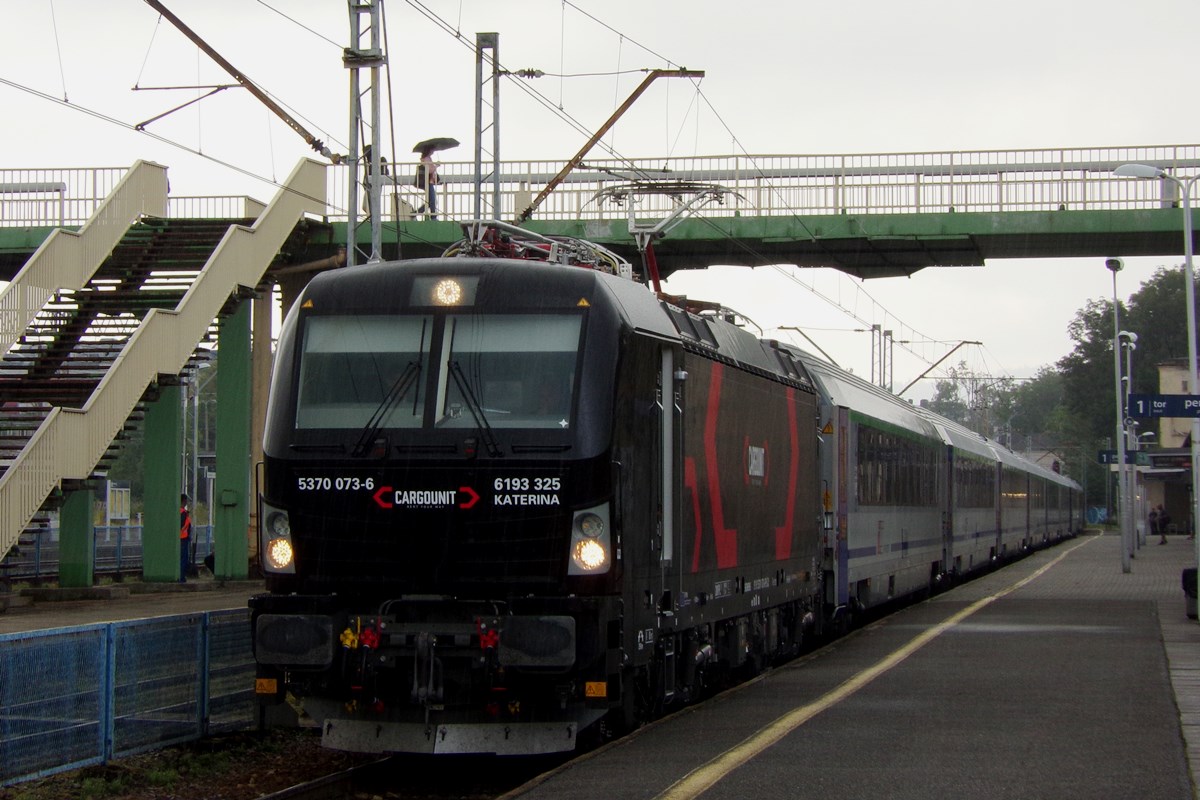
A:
(505, 500)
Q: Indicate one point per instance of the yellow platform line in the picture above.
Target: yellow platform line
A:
(704, 777)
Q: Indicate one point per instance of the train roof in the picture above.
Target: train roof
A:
(842, 388)
(673, 319)
(961, 436)
(846, 389)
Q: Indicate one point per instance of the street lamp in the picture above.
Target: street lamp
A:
(1185, 187)
(1129, 343)
(1115, 265)
(1142, 441)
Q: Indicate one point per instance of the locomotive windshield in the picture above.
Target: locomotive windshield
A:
(350, 364)
(518, 369)
(438, 371)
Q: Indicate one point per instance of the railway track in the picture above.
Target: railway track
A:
(423, 778)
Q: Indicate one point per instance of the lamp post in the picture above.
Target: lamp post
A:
(1129, 343)
(1143, 441)
(1115, 265)
(1147, 171)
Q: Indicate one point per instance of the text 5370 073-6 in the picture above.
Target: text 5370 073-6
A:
(338, 484)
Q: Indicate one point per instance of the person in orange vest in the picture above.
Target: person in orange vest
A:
(185, 538)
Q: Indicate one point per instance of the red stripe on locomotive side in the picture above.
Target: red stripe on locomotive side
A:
(726, 538)
(783, 535)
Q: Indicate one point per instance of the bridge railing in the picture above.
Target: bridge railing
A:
(781, 185)
(42, 197)
(766, 185)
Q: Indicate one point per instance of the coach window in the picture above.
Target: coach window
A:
(976, 483)
(894, 470)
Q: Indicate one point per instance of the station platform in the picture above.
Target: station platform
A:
(44, 608)
(1057, 676)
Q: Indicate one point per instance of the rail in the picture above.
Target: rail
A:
(767, 185)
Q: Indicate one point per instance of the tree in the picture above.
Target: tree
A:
(979, 402)
(1037, 406)
(1154, 312)
(946, 401)
(1087, 371)
(1087, 420)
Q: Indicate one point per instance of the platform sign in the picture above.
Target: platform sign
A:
(1164, 405)
(1110, 457)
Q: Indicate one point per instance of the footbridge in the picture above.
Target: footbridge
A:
(870, 215)
(119, 288)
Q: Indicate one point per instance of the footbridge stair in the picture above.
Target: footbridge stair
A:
(97, 318)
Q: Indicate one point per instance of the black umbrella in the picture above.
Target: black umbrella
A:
(435, 144)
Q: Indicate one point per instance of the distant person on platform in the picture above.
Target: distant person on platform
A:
(1164, 519)
(1155, 529)
(427, 179)
(185, 538)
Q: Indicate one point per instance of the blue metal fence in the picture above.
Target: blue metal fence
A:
(72, 697)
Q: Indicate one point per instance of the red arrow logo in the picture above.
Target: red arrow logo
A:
(473, 498)
(378, 496)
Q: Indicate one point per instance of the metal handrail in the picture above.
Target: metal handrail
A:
(68, 259)
(772, 184)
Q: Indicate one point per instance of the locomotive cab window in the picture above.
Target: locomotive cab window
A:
(516, 371)
(448, 370)
(355, 367)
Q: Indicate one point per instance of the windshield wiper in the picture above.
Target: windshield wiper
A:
(485, 430)
(394, 395)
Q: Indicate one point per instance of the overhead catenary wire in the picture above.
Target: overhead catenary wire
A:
(128, 127)
(761, 258)
(298, 23)
(58, 50)
(538, 97)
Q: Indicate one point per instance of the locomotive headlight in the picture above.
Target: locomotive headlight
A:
(444, 290)
(590, 555)
(276, 552)
(279, 555)
(447, 292)
(591, 543)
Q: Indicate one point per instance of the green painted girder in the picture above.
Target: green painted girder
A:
(863, 245)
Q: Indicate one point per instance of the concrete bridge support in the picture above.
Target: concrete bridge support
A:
(232, 497)
(162, 465)
(76, 550)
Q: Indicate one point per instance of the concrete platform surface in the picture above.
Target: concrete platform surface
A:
(1057, 676)
(40, 608)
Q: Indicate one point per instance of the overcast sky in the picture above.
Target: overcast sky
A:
(800, 77)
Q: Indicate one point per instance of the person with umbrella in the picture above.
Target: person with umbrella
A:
(427, 177)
